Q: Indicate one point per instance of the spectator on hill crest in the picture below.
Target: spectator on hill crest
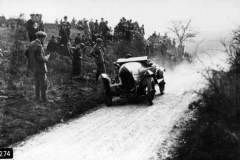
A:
(32, 28)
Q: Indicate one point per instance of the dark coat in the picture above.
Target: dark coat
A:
(41, 26)
(36, 57)
(96, 27)
(98, 52)
(52, 46)
(76, 61)
(31, 30)
(78, 40)
(101, 26)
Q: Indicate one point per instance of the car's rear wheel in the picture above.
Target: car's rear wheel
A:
(150, 90)
(106, 92)
(162, 87)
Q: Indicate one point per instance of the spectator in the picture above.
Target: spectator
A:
(37, 64)
(66, 26)
(96, 27)
(52, 44)
(40, 23)
(32, 28)
(86, 29)
(101, 25)
(76, 61)
(98, 53)
(78, 39)
(91, 26)
(142, 30)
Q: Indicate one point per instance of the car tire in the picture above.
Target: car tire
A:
(161, 87)
(150, 90)
(106, 93)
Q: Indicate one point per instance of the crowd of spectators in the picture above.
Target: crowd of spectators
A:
(128, 30)
(166, 46)
(89, 31)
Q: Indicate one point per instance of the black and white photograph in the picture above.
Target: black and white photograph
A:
(120, 79)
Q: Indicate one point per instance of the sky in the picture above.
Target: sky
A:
(207, 15)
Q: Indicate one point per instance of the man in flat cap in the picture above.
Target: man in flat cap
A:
(37, 64)
(31, 27)
(98, 53)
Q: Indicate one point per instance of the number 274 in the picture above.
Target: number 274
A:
(4, 153)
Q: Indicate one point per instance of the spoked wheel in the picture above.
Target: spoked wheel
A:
(106, 92)
(162, 87)
(150, 90)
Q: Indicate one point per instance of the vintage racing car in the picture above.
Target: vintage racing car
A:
(134, 77)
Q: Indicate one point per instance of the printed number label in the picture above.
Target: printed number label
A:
(115, 81)
(6, 153)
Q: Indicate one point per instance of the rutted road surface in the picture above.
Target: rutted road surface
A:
(125, 131)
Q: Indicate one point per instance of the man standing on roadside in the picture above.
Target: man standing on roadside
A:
(37, 64)
(98, 53)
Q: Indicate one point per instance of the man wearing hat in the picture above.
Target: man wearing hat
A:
(86, 29)
(66, 26)
(96, 28)
(37, 64)
(31, 29)
(91, 26)
(101, 25)
(98, 53)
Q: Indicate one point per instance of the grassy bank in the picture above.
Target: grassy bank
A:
(214, 132)
(25, 117)
(20, 116)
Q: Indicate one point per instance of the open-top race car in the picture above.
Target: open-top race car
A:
(134, 77)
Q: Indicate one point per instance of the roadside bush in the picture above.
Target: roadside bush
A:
(215, 134)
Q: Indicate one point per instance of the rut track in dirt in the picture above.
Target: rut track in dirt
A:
(125, 131)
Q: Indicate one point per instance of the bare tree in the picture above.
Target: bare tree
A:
(183, 30)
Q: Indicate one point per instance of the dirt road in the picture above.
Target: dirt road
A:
(125, 131)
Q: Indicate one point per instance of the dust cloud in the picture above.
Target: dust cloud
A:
(190, 76)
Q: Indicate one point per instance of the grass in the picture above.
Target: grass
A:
(26, 117)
